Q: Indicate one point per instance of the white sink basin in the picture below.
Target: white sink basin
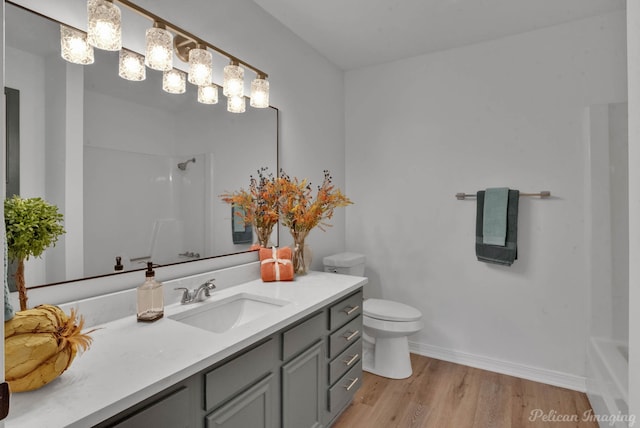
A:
(228, 313)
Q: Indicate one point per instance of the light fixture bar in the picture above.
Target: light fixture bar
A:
(155, 18)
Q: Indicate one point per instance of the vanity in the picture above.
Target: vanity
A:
(292, 359)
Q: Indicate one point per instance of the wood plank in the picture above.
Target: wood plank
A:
(441, 394)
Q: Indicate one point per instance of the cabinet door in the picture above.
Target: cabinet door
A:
(302, 389)
(253, 408)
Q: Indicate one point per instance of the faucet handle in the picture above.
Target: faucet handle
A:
(209, 284)
(186, 294)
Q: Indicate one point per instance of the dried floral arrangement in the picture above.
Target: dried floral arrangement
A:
(300, 211)
(290, 200)
(259, 203)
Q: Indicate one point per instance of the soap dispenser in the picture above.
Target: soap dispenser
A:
(150, 297)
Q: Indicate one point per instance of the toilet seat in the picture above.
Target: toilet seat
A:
(387, 310)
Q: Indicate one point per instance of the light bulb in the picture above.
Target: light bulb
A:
(233, 82)
(74, 47)
(131, 66)
(259, 93)
(208, 94)
(174, 81)
(236, 104)
(159, 49)
(104, 30)
(200, 66)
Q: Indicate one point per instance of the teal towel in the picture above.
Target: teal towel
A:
(494, 220)
(8, 309)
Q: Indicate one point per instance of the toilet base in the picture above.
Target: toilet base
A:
(387, 357)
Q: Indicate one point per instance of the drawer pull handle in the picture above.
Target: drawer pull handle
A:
(353, 382)
(349, 336)
(351, 360)
(349, 310)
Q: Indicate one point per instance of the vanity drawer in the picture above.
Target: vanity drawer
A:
(227, 380)
(343, 362)
(345, 310)
(342, 392)
(345, 336)
(303, 335)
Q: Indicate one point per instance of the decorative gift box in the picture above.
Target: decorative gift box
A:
(275, 264)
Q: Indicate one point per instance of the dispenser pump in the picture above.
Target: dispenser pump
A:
(150, 303)
(150, 273)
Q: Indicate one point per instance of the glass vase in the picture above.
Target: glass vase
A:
(301, 254)
(263, 234)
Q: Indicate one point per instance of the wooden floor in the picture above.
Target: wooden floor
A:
(440, 394)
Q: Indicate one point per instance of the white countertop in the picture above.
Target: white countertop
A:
(131, 361)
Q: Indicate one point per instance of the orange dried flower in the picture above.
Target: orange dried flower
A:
(260, 202)
(299, 211)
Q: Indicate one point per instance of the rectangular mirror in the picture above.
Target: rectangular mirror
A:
(135, 171)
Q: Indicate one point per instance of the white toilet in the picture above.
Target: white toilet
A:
(387, 324)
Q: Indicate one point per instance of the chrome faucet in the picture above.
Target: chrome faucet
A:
(197, 294)
(204, 289)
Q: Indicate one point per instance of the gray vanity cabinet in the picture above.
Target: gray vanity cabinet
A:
(344, 354)
(303, 349)
(303, 376)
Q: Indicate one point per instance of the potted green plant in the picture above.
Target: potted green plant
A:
(32, 225)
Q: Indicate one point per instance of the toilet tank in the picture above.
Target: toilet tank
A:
(345, 263)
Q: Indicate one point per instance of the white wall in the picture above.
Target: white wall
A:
(633, 58)
(509, 112)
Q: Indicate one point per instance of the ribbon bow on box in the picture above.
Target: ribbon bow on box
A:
(275, 264)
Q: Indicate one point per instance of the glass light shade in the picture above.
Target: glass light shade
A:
(236, 104)
(105, 27)
(233, 81)
(260, 93)
(74, 47)
(131, 66)
(208, 94)
(174, 81)
(200, 66)
(159, 51)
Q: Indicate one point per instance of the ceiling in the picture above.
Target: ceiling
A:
(359, 33)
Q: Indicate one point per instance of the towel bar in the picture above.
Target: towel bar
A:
(542, 194)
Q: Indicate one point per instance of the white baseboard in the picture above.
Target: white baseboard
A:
(550, 377)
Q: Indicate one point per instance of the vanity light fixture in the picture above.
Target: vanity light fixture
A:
(159, 47)
(200, 65)
(174, 81)
(104, 30)
(236, 104)
(208, 94)
(74, 46)
(131, 66)
(259, 92)
(233, 81)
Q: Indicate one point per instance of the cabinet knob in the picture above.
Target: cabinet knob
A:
(351, 360)
(353, 382)
(350, 335)
(350, 309)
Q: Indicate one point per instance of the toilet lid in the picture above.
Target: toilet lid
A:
(388, 310)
